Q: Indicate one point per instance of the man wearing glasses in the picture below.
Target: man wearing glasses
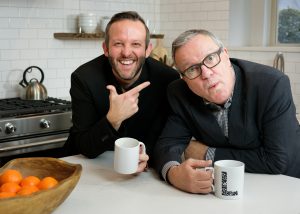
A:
(228, 109)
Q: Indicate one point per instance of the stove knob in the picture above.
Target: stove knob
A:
(45, 123)
(10, 128)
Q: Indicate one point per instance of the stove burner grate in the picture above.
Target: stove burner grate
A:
(11, 107)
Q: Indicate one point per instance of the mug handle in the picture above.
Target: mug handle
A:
(141, 144)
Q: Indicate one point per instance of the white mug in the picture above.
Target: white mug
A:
(126, 157)
(229, 179)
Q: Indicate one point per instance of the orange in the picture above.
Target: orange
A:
(7, 194)
(27, 190)
(30, 181)
(47, 183)
(11, 175)
(10, 187)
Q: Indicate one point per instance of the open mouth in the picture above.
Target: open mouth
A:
(214, 85)
(126, 62)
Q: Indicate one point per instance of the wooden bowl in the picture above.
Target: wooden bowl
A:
(44, 201)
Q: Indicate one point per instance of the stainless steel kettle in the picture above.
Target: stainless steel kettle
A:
(35, 90)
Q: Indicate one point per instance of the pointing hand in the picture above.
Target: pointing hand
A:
(123, 106)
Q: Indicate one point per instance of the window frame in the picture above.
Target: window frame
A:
(274, 28)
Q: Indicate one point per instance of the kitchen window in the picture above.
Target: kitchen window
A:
(286, 19)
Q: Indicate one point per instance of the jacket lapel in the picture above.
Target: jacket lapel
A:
(237, 111)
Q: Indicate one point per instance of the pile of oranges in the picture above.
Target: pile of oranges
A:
(12, 183)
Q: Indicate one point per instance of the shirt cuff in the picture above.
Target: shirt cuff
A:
(166, 168)
(210, 154)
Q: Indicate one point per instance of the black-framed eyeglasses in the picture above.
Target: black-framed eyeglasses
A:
(209, 61)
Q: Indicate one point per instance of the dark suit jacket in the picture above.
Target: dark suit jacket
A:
(263, 131)
(91, 133)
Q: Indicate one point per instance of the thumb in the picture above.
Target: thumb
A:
(112, 90)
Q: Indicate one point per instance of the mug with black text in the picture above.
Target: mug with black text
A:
(229, 179)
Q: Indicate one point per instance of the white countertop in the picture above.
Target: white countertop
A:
(101, 190)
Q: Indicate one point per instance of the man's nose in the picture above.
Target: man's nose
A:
(206, 72)
(126, 50)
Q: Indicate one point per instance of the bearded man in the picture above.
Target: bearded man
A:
(121, 93)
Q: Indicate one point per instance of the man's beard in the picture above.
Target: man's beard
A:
(118, 72)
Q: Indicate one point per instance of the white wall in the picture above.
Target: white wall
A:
(249, 22)
(177, 16)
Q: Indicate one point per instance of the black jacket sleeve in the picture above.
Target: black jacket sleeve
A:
(91, 134)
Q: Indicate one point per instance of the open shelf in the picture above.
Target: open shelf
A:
(90, 36)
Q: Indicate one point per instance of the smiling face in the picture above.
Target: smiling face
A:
(127, 50)
(214, 84)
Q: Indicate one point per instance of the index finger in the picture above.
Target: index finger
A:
(138, 88)
(199, 163)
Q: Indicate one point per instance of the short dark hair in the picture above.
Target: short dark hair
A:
(126, 15)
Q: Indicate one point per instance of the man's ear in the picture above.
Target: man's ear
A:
(105, 49)
(149, 49)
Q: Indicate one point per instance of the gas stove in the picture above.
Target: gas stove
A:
(33, 125)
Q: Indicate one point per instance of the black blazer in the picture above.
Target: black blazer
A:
(91, 133)
(263, 131)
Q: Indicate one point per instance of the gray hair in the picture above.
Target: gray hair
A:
(186, 36)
